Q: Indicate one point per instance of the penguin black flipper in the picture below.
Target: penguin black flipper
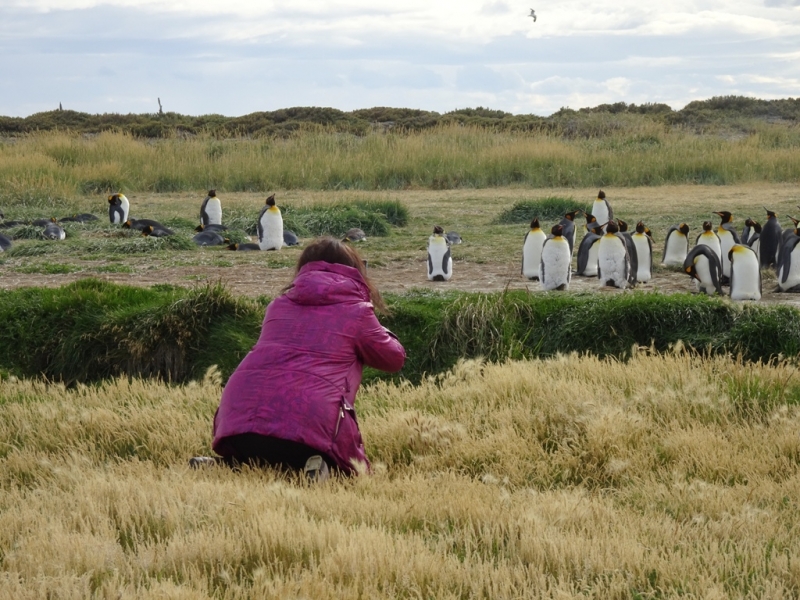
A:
(446, 261)
(785, 260)
(716, 272)
(5, 243)
(589, 240)
(633, 258)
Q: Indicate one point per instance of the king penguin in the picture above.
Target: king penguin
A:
(770, 239)
(709, 238)
(747, 231)
(632, 254)
(440, 263)
(745, 273)
(211, 210)
(555, 267)
(601, 209)
(613, 260)
(532, 251)
(209, 238)
(246, 247)
(592, 225)
(569, 229)
(587, 253)
(54, 231)
(728, 238)
(118, 207)
(270, 226)
(702, 264)
(676, 245)
(5, 243)
(789, 266)
(644, 253)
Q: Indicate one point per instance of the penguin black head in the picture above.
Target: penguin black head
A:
(557, 230)
(590, 218)
(198, 229)
(271, 200)
(437, 230)
(147, 230)
(612, 227)
(770, 214)
(601, 195)
(113, 199)
(684, 229)
(795, 221)
(571, 215)
(623, 226)
(640, 228)
(212, 193)
(535, 223)
(756, 226)
(233, 247)
(128, 224)
(724, 215)
(748, 222)
(707, 226)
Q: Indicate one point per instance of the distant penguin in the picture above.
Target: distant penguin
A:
(151, 231)
(632, 253)
(728, 238)
(644, 253)
(453, 237)
(290, 238)
(209, 238)
(789, 266)
(142, 224)
(211, 210)
(440, 263)
(745, 277)
(118, 207)
(555, 267)
(355, 234)
(248, 247)
(270, 226)
(747, 231)
(786, 234)
(702, 264)
(210, 227)
(5, 243)
(601, 209)
(613, 260)
(709, 238)
(54, 231)
(532, 251)
(676, 245)
(770, 239)
(43, 222)
(570, 231)
(587, 253)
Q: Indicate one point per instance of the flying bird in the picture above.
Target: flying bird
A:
(533, 15)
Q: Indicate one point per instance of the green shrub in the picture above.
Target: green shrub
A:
(552, 208)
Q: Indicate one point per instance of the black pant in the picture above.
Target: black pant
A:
(263, 450)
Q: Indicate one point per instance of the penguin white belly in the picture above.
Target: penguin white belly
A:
(440, 263)
(704, 283)
(213, 212)
(676, 250)
(600, 212)
(726, 242)
(555, 268)
(532, 253)
(612, 261)
(745, 275)
(119, 213)
(712, 241)
(644, 251)
(793, 276)
(270, 233)
(591, 261)
(756, 247)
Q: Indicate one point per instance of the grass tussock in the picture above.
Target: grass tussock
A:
(552, 208)
(568, 477)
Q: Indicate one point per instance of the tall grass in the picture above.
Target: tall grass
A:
(565, 478)
(50, 167)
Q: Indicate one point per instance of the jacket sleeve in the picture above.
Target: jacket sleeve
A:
(378, 347)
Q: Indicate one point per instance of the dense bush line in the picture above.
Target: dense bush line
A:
(91, 330)
(285, 122)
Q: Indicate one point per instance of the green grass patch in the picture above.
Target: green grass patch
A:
(551, 208)
(48, 269)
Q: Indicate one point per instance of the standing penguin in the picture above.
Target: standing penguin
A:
(555, 268)
(644, 253)
(676, 245)
(789, 266)
(770, 239)
(5, 243)
(592, 225)
(754, 239)
(709, 238)
(601, 209)
(747, 231)
(211, 210)
(587, 253)
(118, 207)
(440, 263)
(728, 238)
(702, 264)
(745, 273)
(569, 229)
(632, 254)
(532, 251)
(270, 226)
(613, 260)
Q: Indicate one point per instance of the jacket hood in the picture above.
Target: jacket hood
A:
(320, 283)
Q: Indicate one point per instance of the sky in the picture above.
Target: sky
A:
(236, 57)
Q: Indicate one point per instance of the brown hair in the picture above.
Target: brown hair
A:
(337, 252)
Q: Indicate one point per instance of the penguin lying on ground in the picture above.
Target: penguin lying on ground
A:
(676, 245)
(161, 231)
(43, 222)
(209, 238)
(702, 264)
(355, 235)
(54, 231)
(270, 226)
(248, 247)
(5, 243)
(613, 259)
(211, 227)
(745, 275)
(532, 251)
(118, 207)
(211, 210)
(555, 268)
(290, 238)
(440, 263)
(142, 224)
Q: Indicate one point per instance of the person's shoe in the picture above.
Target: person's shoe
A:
(316, 469)
(197, 462)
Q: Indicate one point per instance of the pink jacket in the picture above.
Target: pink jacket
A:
(299, 381)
